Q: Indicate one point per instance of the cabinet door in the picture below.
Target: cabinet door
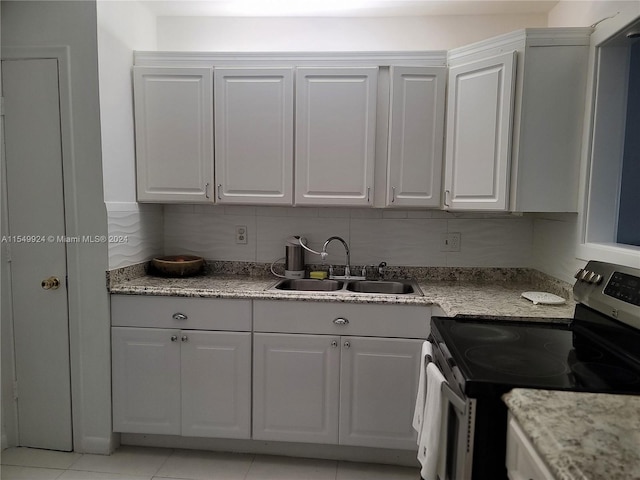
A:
(416, 136)
(174, 134)
(254, 135)
(146, 380)
(335, 135)
(216, 384)
(378, 386)
(296, 387)
(479, 121)
(523, 461)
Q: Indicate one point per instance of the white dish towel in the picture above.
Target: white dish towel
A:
(426, 355)
(429, 435)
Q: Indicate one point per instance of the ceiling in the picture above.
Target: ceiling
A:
(344, 8)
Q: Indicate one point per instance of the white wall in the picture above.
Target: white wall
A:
(124, 26)
(36, 23)
(399, 237)
(218, 34)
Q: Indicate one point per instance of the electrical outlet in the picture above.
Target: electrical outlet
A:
(241, 234)
(450, 242)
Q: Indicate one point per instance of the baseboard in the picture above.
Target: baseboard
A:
(405, 458)
(96, 445)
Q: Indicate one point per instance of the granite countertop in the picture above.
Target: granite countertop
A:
(475, 298)
(581, 436)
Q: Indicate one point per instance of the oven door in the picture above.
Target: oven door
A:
(457, 425)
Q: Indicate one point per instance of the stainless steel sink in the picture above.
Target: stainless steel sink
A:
(375, 287)
(308, 285)
(384, 287)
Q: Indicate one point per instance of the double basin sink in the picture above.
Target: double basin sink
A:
(376, 287)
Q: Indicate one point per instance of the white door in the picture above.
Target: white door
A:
(145, 378)
(479, 120)
(36, 223)
(335, 135)
(216, 384)
(174, 134)
(378, 385)
(296, 387)
(416, 136)
(254, 135)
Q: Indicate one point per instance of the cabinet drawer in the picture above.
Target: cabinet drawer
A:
(401, 321)
(163, 312)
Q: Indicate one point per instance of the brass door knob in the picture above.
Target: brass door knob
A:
(51, 283)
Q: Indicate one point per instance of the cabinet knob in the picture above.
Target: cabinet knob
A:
(179, 316)
(174, 338)
(334, 344)
(341, 321)
(184, 338)
(347, 344)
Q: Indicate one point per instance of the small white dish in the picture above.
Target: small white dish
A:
(544, 298)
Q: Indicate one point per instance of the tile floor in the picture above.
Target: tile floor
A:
(141, 463)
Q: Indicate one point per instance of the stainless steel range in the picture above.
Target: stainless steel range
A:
(481, 358)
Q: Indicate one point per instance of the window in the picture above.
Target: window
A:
(611, 215)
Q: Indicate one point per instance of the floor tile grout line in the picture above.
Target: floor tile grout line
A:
(173, 452)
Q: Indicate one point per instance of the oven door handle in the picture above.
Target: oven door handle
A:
(457, 403)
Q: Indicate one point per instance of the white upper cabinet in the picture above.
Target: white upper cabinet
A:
(254, 135)
(479, 134)
(335, 135)
(416, 136)
(515, 112)
(174, 134)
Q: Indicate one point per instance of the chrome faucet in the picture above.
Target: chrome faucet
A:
(347, 268)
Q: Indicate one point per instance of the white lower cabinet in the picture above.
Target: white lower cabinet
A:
(312, 384)
(296, 384)
(145, 380)
(378, 385)
(328, 389)
(523, 462)
(181, 382)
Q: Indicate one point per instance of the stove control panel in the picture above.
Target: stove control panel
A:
(624, 287)
(610, 289)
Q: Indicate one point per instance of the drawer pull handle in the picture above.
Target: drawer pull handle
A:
(179, 316)
(341, 321)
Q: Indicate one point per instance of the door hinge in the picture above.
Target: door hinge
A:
(15, 389)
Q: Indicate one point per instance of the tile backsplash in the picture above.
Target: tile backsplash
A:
(399, 237)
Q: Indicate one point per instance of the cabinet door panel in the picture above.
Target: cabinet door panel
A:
(416, 131)
(146, 380)
(479, 120)
(216, 384)
(254, 135)
(378, 385)
(174, 134)
(335, 135)
(295, 386)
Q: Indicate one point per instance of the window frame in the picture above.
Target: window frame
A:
(604, 128)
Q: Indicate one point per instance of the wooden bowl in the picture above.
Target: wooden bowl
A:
(178, 265)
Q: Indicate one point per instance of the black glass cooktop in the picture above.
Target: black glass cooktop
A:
(492, 356)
